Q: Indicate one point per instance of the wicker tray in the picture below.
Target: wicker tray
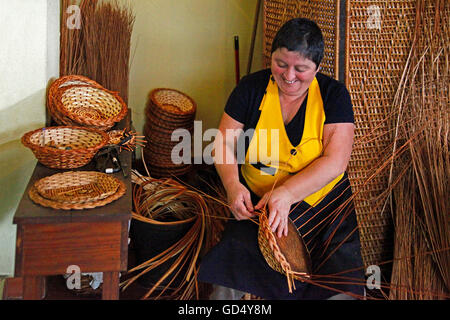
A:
(36, 197)
(64, 147)
(77, 186)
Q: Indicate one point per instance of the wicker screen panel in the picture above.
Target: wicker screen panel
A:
(325, 13)
(378, 41)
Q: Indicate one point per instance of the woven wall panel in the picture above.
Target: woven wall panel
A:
(378, 41)
(325, 13)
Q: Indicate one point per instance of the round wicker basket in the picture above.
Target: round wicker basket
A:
(64, 147)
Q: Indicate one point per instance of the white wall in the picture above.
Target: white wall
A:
(29, 57)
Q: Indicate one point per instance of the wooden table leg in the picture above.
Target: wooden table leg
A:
(33, 287)
(110, 285)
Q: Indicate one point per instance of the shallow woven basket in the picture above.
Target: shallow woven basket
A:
(72, 204)
(64, 147)
(77, 100)
(173, 102)
(287, 255)
(77, 187)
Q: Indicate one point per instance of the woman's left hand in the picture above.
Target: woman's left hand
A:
(279, 203)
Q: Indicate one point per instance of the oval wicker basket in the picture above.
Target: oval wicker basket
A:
(77, 187)
(72, 204)
(287, 255)
(77, 100)
(64, 147)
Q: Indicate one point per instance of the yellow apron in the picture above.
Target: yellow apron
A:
(271, 157)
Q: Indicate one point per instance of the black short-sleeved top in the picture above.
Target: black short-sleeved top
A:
(244, 101)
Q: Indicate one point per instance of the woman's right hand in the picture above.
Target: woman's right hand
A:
(240, 201)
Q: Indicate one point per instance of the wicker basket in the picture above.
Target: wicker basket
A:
(287, 255)
(167, 110)
(116, 189)
(77, 100)
(64, 147)
(77, 187)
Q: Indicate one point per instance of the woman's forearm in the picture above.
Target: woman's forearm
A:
(314, 177)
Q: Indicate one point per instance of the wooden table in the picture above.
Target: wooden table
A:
(95, 240)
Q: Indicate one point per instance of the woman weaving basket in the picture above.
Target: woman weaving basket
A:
(312, 117)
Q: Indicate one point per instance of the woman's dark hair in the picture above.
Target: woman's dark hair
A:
(303, 36)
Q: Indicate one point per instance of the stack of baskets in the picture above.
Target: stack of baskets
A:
(167, 110)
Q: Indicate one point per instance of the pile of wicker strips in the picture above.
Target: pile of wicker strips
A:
(165, 202)
(79, 101)
(167, 110)
(76, 190)
(64, 147)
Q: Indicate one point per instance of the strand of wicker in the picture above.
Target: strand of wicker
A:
(167, 110)
(76, 100)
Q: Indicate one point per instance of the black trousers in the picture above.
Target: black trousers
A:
(236, 261)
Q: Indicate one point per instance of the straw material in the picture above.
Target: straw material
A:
(324, 13)
(167, 110)
(77, 100)
(378, 41)
(77, 187)
(64, 147)
(96, 200)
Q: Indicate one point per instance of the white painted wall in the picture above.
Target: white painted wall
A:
(29, 58)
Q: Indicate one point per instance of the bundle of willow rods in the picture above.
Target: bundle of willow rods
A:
(165, 201)
(419, 178)
(100, 49)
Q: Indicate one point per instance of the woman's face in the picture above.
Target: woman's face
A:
(292, 72)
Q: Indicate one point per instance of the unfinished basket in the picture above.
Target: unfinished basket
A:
(287, 255)
(77, 100)
(77, 186)
(64, 147)
(36, 197)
